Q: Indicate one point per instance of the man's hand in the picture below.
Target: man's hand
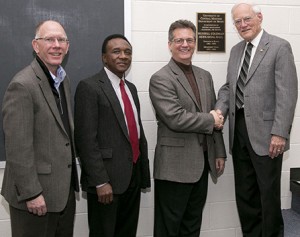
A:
(220, 166)
(219, 119)
(105, 194)
(37, 206)
(277, 146)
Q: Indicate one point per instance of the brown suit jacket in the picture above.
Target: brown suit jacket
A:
(38, 149)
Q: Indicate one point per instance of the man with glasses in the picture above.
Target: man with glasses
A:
(188, 146)
(259, 96)
(40, 174)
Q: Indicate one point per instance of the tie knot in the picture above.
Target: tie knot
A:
(122, 83)
(249, 46)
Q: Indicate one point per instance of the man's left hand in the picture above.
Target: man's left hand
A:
(277, 146)
(220, 166)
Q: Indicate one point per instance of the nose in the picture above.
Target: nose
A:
(56, 43)
(185, 43)
(122, 54)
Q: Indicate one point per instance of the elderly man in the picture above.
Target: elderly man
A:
(259, 96)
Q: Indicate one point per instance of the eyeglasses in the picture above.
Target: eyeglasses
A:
(180, 41)
(246, 20)
(52, 40)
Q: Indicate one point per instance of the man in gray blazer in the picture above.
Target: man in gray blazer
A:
(113, 169)
(40, 174)
(187, 144)
(260, 103)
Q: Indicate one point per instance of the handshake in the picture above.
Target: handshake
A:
(219, 119)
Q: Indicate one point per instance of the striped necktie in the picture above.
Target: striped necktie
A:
(242, 77)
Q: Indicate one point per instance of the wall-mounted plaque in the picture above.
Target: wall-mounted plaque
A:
(211, 32)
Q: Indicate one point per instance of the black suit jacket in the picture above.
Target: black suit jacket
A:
(101, 136)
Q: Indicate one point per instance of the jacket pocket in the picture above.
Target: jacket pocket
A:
(268, 115)
(172, 141)
(106, 153)
(44, 169)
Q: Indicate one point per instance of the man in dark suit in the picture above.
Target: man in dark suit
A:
(111, 143)
(40, 174)
(187, 144)
(260, 97)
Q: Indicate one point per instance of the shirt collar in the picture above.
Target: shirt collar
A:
(115, 80)
(256, 40)
(61, 74)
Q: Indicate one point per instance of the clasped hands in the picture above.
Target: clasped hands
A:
(219, 119)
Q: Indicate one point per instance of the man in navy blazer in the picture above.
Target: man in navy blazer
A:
(110, 175)
(260, 128)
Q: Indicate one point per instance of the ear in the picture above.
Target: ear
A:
(35, 46)
(260, 17)
(104, 59)
(169, 45)
(67, 49)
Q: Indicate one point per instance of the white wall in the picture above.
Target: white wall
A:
(149, 25)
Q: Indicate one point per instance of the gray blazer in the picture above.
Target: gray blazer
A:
(181, 127)
(38, 150)
(270, 93)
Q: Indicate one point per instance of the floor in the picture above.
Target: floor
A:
(291, 223)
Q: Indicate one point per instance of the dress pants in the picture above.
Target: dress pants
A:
(120, 218)
(53, 224)
(178, 207)
(257, 186)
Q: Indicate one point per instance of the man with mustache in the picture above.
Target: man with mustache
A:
(111, 144)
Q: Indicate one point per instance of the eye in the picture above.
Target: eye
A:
(116, 51)
(62, 40)
(238, 22)
(190, 41)
(128, 52)
(178, 41)
(49, 40)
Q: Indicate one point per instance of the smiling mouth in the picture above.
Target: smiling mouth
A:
(56, 54)
(122, 64)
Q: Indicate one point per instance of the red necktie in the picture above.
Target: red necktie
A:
(131, 124)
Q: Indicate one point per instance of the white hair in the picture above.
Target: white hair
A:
(256, 9)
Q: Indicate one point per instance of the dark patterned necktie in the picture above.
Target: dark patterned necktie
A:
(242, 77)
(131, 124)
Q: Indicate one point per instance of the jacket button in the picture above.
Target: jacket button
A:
(69, 165)
(67, 144)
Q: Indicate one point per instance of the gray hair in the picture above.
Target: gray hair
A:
(181, 24)
(255, 8)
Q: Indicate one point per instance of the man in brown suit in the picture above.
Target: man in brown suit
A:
(40, 174)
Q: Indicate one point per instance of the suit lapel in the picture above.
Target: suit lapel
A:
(110, 93)
(66, 85)
(261, 51)
(237, 56)
(201, 88)
(47, 92)
(183, 81)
